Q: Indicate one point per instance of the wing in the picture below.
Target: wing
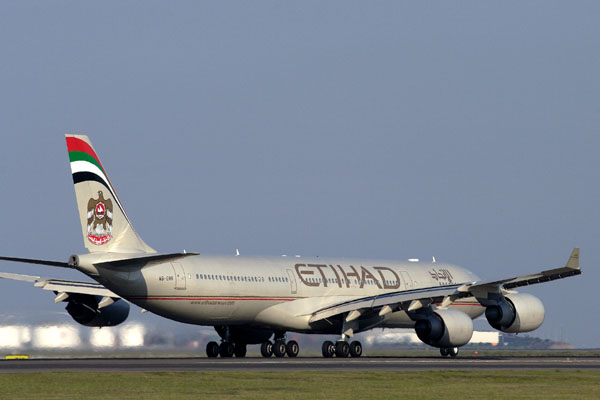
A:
(383, 304)
(482, 290)
(413, 300)
(63, 287)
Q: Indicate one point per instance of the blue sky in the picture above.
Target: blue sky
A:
(466, 131)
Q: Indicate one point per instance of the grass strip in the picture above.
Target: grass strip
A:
(301, 385)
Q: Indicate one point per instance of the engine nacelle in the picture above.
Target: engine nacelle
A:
(445, 328)
(84, 309)
(514, 313)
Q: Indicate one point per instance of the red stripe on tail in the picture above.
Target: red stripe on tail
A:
(75, 144)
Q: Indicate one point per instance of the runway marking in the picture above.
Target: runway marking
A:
(290, 365)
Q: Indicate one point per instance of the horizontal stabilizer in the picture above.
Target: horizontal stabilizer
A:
(62, 287)
(33, 261)
(144, 259)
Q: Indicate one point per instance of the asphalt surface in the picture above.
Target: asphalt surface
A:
(298, 364)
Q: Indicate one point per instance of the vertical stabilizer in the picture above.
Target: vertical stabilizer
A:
(104, 222)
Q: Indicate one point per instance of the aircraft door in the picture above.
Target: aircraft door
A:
(408, 283)
(179, 275)
(294, 285)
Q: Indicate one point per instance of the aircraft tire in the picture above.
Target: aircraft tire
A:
(453, 351)
(266, 349)
(328, 349)
(279, 348)
(356, 349)
(212, 349)
(342, 349)
(226, 349)
(292, 349)
(239, 350)
(444, 351)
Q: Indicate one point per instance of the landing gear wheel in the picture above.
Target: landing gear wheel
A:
(355, 349)
(444, 351)
(292, 349)
(328, 349)
(239, 349)
(212, 349)
(342, 349)
(279, 348)
(226, 349)
(266, 349)
(453, 351)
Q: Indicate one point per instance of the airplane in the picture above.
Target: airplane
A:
(258, 300)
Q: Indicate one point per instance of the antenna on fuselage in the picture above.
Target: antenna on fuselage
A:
(433, 259)
(237, 252)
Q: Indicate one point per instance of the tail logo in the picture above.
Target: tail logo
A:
(99, 219)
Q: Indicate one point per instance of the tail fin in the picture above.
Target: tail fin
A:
(104, 222)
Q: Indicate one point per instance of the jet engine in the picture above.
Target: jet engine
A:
(445, 328)
(514, 313)
(84, 309)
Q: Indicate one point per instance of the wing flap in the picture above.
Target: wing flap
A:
(375, 303)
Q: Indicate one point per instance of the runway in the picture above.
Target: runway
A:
(298, 364)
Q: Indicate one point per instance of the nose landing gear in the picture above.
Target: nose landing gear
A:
(449, 351)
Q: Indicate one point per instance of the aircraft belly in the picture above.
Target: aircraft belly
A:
(206, 310)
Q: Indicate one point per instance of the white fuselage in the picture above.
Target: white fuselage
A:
(274, 292)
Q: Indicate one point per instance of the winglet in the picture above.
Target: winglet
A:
(573, 262)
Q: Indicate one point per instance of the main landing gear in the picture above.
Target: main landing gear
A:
(280, 348)
(449, 351)
(234, 344)
(341, 349)
(226, 349)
